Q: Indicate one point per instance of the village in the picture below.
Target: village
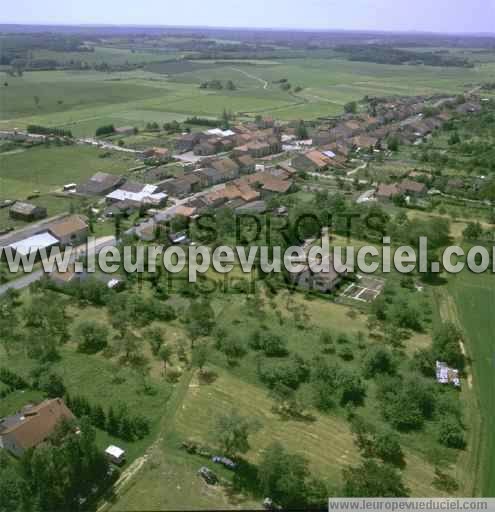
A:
(255, 167)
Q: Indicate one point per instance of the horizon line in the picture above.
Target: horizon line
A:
(240, 27)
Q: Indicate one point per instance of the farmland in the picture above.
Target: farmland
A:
(473, 302)
(84, 100)
(340, 376)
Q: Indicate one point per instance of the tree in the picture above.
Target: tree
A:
(231, 432)
(200, 356)
(351, 107)
(12, 487)
(378, 360)
(128, 343)
(284, 477)
(473, 231)
(165, 356)
(199, 320)
(446, 345)
(155, 339)
(92, 336)
(98, 418)
(301, 131)
(53, 385)
(393, 143)
(372, 479)
(451, 433)
(454, 139)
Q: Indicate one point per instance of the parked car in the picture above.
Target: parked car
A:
(228, 463)
(207, 475)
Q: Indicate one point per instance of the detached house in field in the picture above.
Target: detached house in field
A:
(27, 212)
(32, 425)
(324, 281)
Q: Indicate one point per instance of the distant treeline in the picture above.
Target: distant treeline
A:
(204, 121)
(388, 55)
(44, 130)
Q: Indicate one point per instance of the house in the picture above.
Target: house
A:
(412, 188)
(254, 207)
(205, 149)
(246, 164)
(27, 212)
(226, 168)
(138, 193)
(187, 142)
(364, 142)
(161, 155)
(32, 425)
(122, 208)
(34, 243)
(311, 161)
(259, 149)
(446, 375)
(125, 130)
(324, 281)
(72, 230)
(322, 137)
(387, 192)
(183, 186)
(100, 184)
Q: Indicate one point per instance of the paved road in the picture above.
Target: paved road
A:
(21, 282)
(30, 278)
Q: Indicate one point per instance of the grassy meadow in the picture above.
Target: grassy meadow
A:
(84, 100)
(471, 302)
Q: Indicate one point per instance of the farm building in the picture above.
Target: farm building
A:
(115, 454)
(34, 243)
(27, 212)
(32, 425)
(100, 184)
(138, 193)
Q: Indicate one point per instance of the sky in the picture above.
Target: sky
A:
(449, 16)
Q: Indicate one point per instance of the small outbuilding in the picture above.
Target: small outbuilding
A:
(115, 455)
(27, 212)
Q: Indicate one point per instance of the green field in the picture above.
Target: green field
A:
(48, 168)
(84, 100)
(474, 303)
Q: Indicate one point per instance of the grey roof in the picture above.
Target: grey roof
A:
(24, 208)
(100, 183)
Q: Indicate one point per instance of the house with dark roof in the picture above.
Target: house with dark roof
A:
(387, 192)
(32, 425)
(412, 188)
(100, 184)
(27, 212)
